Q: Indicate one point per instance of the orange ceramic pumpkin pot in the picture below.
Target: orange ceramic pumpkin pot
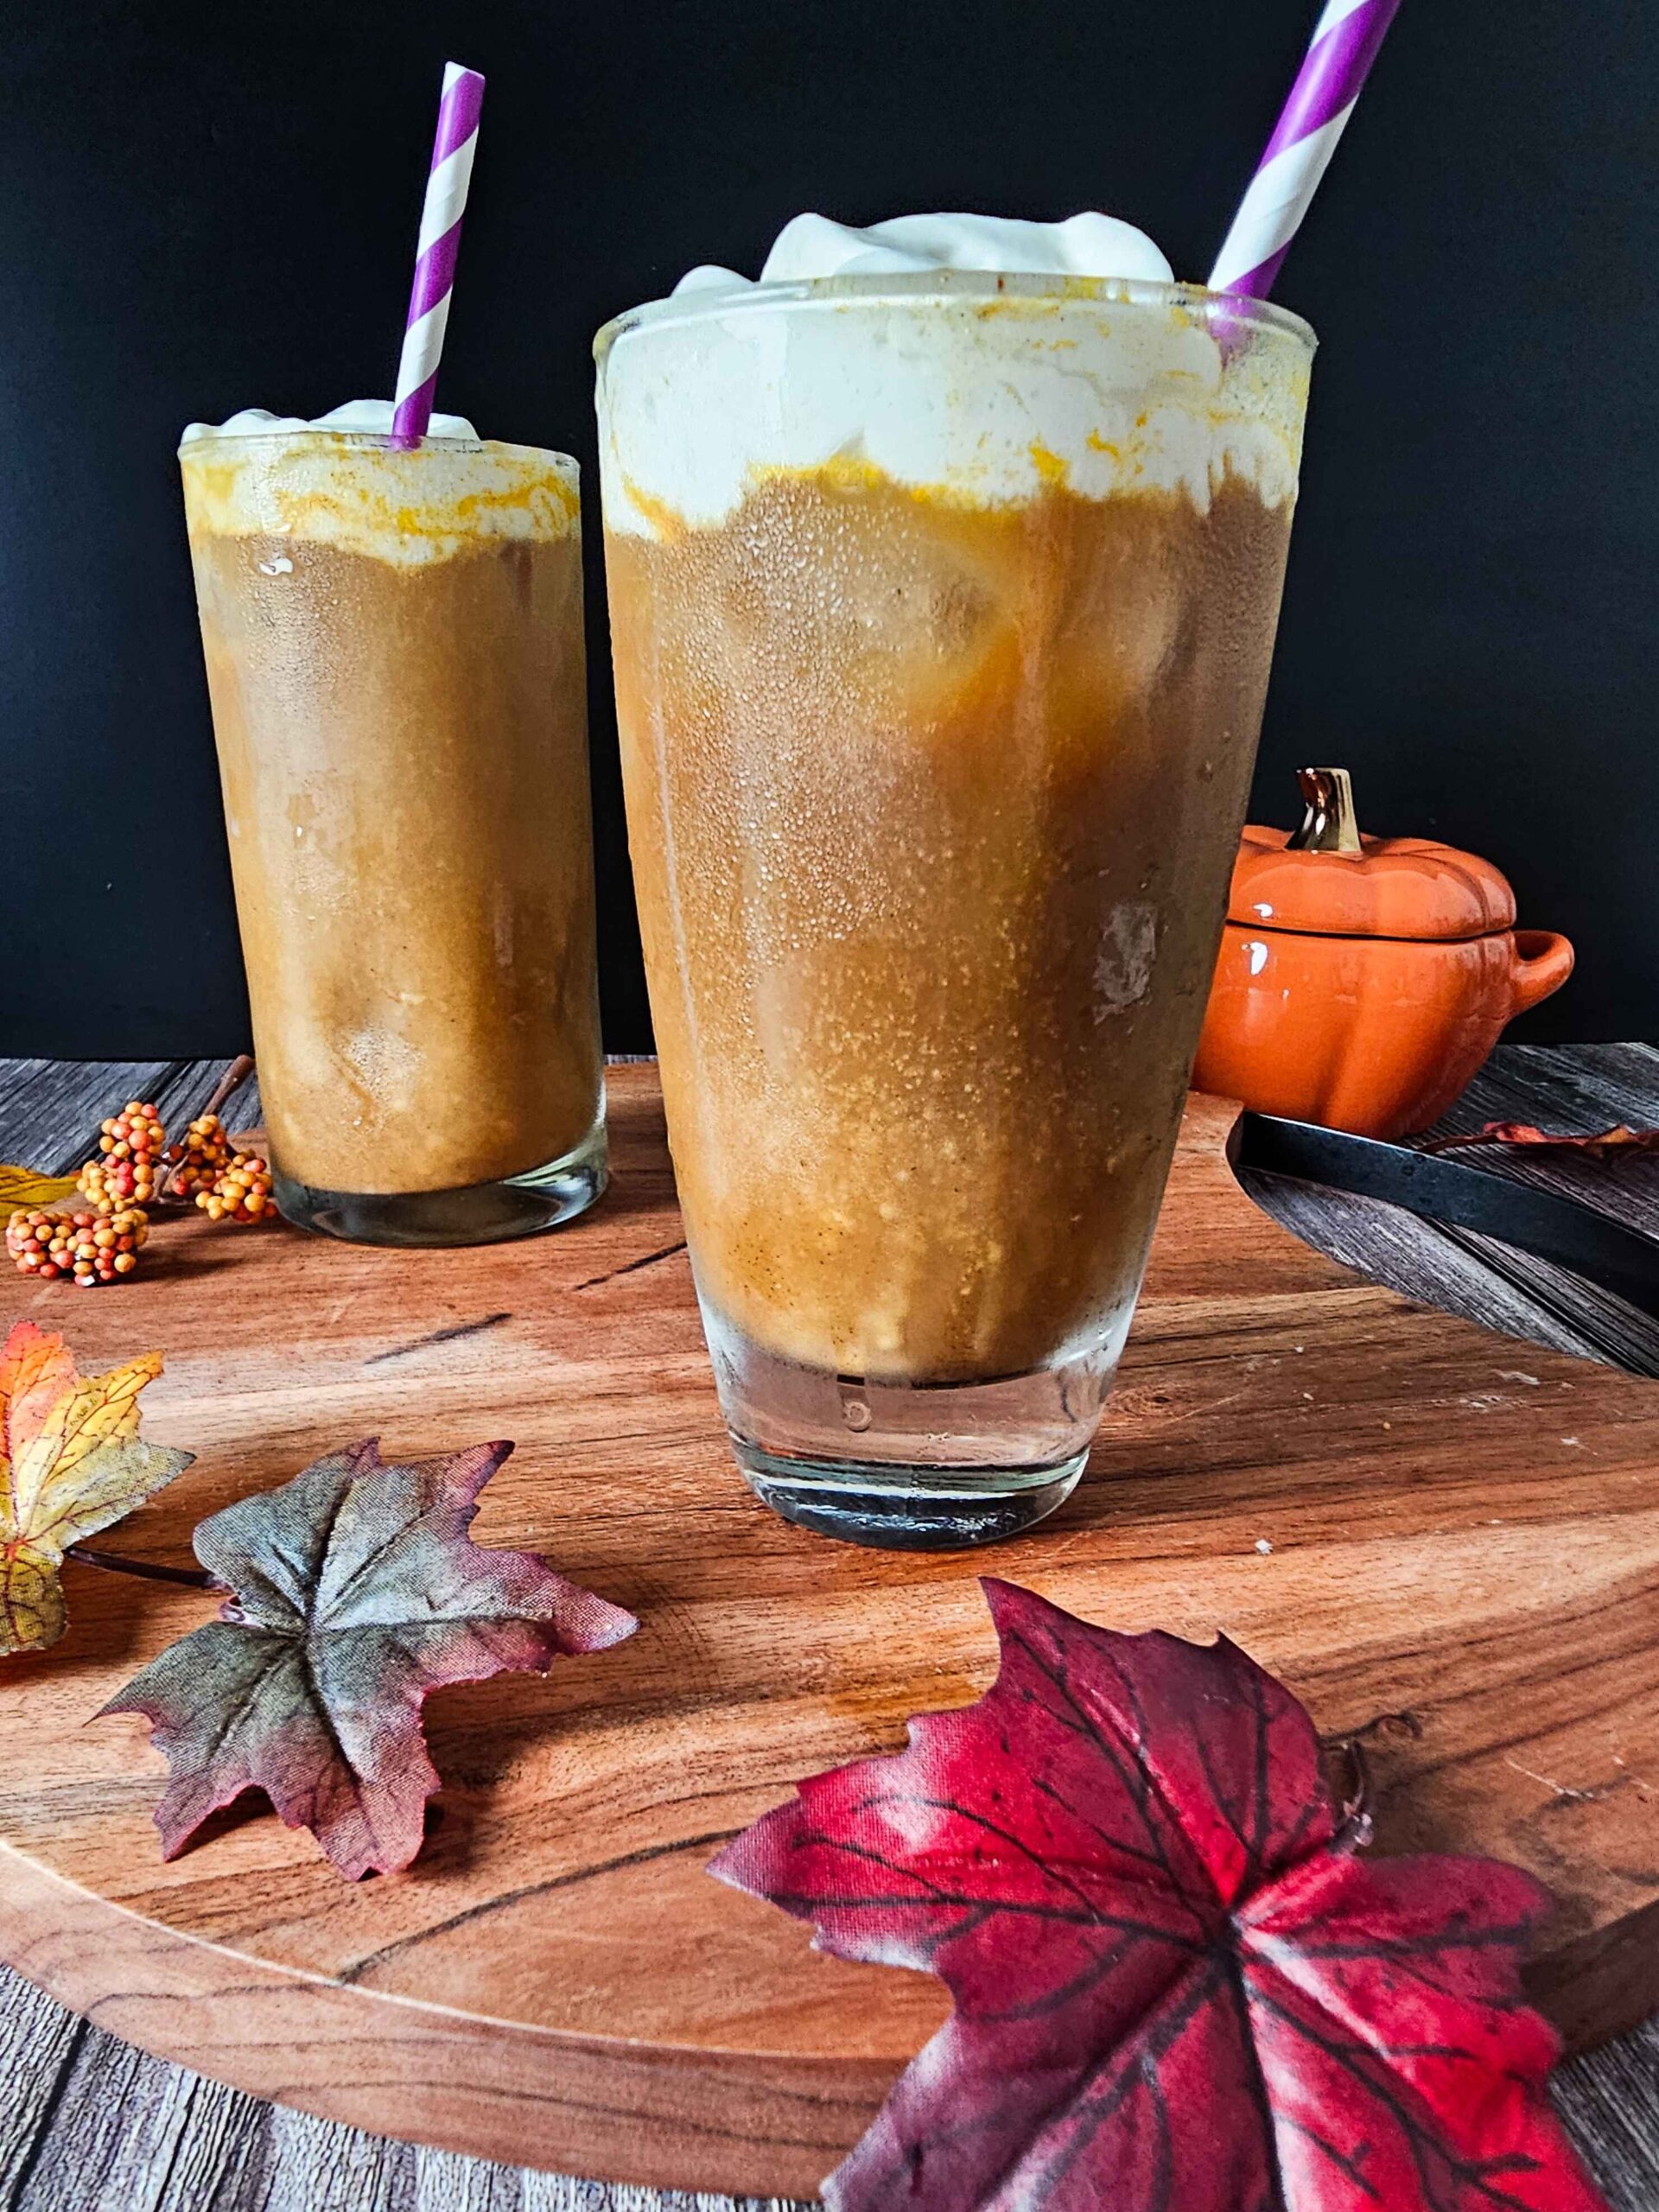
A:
(1364, 981)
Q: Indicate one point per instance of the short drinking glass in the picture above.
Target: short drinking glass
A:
(394, 648)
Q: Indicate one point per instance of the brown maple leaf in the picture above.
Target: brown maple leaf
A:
(355, 1590)
(72, 1462)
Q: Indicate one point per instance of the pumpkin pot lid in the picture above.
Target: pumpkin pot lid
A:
(1324, 879)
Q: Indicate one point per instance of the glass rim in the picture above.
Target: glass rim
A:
(901, 288)
(368, 441)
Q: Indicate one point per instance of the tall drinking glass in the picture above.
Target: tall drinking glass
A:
(942, 609)
(394, 648)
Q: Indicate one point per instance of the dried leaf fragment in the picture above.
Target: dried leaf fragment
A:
(1620, 1142)
(27, 1186)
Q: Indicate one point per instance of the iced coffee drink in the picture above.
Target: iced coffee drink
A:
(943, 603)
(394, 650)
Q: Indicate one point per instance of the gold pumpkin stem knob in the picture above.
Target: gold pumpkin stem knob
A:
(1329, 824)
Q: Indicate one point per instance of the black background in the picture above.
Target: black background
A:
(203, 207)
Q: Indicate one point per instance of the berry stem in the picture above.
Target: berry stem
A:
(225, 1089)
(152, 1571)
(230, 1083)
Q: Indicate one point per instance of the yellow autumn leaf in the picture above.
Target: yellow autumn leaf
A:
(27, 1186)
(71, 1461)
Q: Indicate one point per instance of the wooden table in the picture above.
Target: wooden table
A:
(90, 2125)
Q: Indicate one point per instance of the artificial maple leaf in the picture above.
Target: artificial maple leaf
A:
(355, 1590)
(1618, 1142)
(1177, 1989)
(72, 1462)
(27, 1186)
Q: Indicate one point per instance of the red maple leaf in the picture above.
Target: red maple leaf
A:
(1177, 1989)
(355, 1590)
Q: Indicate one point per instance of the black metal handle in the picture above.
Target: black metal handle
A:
(1550, 1228)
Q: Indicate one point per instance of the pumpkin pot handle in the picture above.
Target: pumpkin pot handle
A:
(1543, 961)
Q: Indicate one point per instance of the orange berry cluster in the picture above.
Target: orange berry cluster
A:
(196, 1163)
(130, 1169)
(92, 1248)
(240, 1192)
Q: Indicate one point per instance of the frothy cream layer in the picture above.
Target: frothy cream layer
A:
(1082, 245)
(965, 387)
(371, 417)
(333, 483)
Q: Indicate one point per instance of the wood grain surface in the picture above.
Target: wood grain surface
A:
(1463, 1545)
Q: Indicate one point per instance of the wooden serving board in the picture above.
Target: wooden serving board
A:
(1446, 1541)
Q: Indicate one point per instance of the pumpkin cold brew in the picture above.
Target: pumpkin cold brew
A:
(938, 681)
(394, 650)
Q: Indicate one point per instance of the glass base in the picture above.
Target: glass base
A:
(476, 1213)
(909, 1509)
(910, 1467)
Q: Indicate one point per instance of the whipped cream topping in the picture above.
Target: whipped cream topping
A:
(980, 392)
(368, 417)
(288, 477)
(1083, 246)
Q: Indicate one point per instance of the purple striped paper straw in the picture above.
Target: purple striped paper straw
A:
(1345, 42)
(435, 254)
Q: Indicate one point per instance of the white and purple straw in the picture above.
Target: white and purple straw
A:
(1345, 42)
(435, 254)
